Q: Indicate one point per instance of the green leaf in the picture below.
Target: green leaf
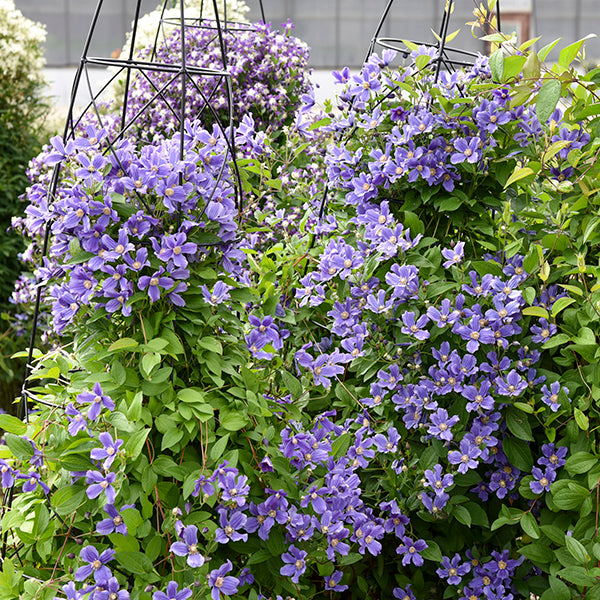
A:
(527, 408)
(320, 123)
(568, 54)
(259, 556)
(531, 261)
(513, 65)
(577, 550)
(13, 518)
(171, 438)
(192, 395)
(134, 411)
(450, 204)
(558, 589)
(585, 337)
(211, 344)
(518, 425)
(577, 575)
(537, 552)
(497, 65)
(581, 462)
(530, 526)
(547, 99)
(132, 519)
(149, 361)
(462, 515)
(276, 184)
(123, 344)
(432, 552)
(12, 424)
(218, 448)
(134, 562)
(555, 533)
(148, 480)
(536, 311)
(292, 384)
(232, 420)
(556, 340)
(543, 53)
(20, 447)
(66, 500)
(133, 446)
(164, 465)
(592, 593)
(581, 419)
(518, 453)
(422, 61)
(561, 304)
(569, 497)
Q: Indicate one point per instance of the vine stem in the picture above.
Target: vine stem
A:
(63, 546)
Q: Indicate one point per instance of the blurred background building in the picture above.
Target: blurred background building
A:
(338, 31)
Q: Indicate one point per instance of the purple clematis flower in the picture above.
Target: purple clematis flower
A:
(172, 593)
(466, 457)
(542, 332)
(174, 248)
(96, 564)
(97, 399)
(221, 583)
(411, 551)
(294, 563)
(452, 571)
(101, 483)
(441, 424)
(550, 396)
(512, 385)
(8, 474)
(77, 420)
(414, 327)
(189, 547)
(109, 450)
(454, 255)
(542, 480)
(230, 526)
(332, 582)
(115, 522)
(552, 456)
(154, 282)
(467, 149)
(112, 591)
(219, 294)
(32, 480)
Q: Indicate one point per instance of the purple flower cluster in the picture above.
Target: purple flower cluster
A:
(268, 70)
(552, 459)
(429, 139)
(110, 244)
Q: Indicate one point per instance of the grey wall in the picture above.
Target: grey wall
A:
(338, 31)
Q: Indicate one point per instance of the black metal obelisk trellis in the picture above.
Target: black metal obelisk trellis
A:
(445, 56)
(131, 66)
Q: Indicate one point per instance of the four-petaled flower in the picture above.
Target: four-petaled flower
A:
(295, 563)
(454, 255)
(221, 583)
(96, 564)
(97, 399)
(172, 593)
(189, 547)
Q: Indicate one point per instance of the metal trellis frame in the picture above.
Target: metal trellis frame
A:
(132, 66)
